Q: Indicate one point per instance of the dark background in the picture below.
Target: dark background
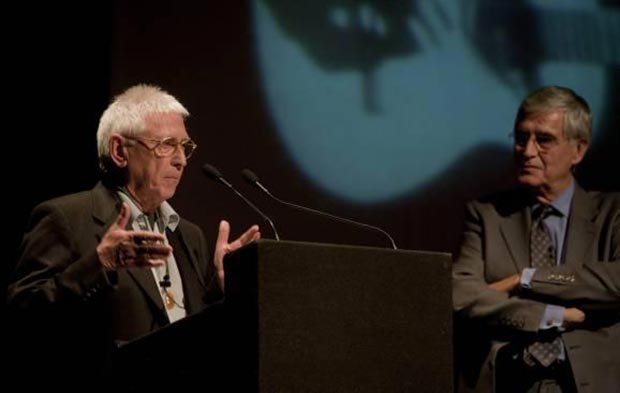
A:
(66, 62)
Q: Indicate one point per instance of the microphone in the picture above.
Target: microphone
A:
(214, 174)
(165, 282)
(251, 178)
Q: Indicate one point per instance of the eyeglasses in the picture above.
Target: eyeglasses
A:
(543, 141)
(167, 146)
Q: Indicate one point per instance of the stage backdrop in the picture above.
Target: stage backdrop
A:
(392, 113)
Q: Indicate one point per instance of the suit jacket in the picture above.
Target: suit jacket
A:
(496, 245)
(70, 306)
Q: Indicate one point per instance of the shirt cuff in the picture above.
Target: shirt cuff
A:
(552, 318)
(526, 277)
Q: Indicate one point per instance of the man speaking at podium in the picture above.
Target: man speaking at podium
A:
(538, 273)
(114, 263)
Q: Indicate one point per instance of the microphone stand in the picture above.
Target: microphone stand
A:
(213, 173)
(251, 178)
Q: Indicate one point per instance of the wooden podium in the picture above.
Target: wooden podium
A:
(308, 317)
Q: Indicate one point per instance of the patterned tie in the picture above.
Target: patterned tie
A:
(542, 254)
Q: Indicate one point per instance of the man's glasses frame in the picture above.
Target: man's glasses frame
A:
(167, 146)
(543, 141)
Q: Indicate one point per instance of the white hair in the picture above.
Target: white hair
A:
(125, 115)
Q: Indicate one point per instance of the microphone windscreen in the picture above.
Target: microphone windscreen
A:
(249, 176)
(211, 171)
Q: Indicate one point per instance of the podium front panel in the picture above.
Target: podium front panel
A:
(313, 317)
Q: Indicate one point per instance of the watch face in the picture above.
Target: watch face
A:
(375, 99)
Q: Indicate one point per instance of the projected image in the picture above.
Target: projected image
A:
(376, 99)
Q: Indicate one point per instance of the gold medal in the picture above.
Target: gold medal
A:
(169, 300)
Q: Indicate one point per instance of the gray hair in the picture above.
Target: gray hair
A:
(577, 117)
(126, 113)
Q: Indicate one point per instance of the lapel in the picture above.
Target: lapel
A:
(514, 229)
(581, 231)
(106, 207)
(187, 263)
(178, 237)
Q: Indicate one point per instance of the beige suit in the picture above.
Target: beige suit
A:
(496, 245)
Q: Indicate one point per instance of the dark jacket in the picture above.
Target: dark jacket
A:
(70, 314)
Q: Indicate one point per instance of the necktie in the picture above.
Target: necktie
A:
(542, 254)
